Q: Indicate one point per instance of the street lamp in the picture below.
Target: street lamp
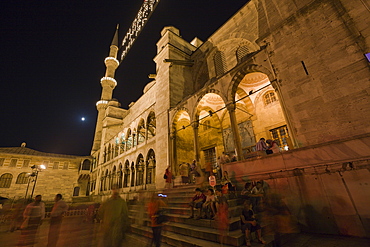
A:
(33, 176)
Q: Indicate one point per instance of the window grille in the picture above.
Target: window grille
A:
(220, 63)
(6, 180)
(269, 97)
(22, 178)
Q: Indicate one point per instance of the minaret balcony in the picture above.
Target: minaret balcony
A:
(111, 61)
(110, 80)
(102, 103)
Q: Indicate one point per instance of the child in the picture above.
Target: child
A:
(209, 205)
(197, 202)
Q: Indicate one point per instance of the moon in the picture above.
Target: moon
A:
(82, 119)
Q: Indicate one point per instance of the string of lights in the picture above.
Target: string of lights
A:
(137, 25)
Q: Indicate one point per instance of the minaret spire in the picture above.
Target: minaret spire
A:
(108, 84)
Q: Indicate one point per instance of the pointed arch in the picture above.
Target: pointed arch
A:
(141, 132)
(140, 166)
(150, 167)
(183, 135)
(151, 125)
(129, 140)
(209, 110)
(126, 176)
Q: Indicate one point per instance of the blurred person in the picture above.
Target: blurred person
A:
(222, 214)
(184, 172)
(249, 224)
(168, 177)
(193, 171)
(278, 218)
(114, 220)
(227, 185)
(224, 158)
(17, 213)
(261, 147)
(33, 215)
(256, 195)
(197, 203)
(273, 147)
(155, 205)
(56, 217)
(247, 191)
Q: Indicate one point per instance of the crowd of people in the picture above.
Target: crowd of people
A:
(29, 221)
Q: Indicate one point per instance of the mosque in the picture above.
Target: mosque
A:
(294, 72)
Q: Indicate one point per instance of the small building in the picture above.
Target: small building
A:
(25, 172)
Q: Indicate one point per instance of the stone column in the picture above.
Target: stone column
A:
(235, 130)
(172, 148)
(195, 126)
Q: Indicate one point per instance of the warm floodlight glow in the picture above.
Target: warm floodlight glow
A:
(101, 102)
(43, 167)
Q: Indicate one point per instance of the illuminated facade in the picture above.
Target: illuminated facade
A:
(293, 73)
(25, 172)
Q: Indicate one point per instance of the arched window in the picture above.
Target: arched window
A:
(134, 138)
(242, 53)
(105, 155)
(120, 176)
(269, 97)
(220, 63)
(22, 178)
(113, 178)
(151, 125)
(109, 152)
(141, 132)
(6, 180)
(122, 143)
(150, 167)
(126, 178)
(129, 140)
(132, 174)
(86, 165)
(140, 170)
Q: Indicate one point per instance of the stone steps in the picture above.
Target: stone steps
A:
(178, 239)
(182, 231)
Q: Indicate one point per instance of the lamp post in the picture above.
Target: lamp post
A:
(35, 172)
(30, 177)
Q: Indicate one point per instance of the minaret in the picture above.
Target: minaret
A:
(108, 83)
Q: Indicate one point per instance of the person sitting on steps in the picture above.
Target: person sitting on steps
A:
(197, 203)
(209, 207)
(249, 224)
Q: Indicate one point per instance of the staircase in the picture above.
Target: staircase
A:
(182, 231)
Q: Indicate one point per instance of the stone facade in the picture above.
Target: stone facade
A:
(290, 71)
(283, 71)
(64, 174)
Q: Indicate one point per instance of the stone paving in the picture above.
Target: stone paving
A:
(77, 233)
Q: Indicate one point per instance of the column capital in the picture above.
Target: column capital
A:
(195, 124)
(231, 106)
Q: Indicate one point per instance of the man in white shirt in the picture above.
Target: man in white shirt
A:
(33, 215)
(56, 216)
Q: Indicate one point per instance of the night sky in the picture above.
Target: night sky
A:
(52, 60)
